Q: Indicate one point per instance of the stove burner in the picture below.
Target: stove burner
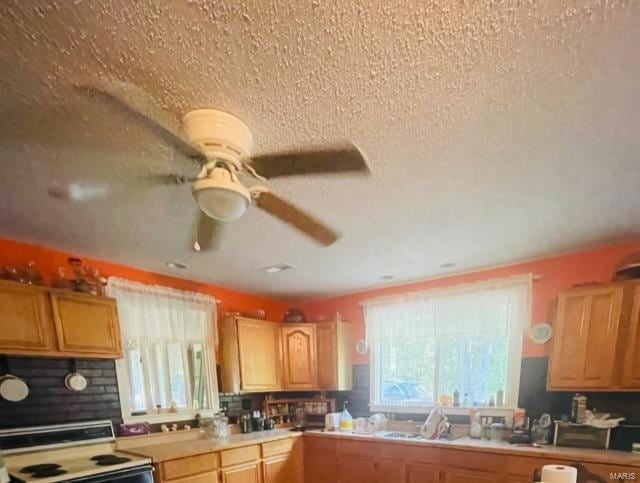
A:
(48, 473)
(109, 459)
(40, 468)
(99, 457)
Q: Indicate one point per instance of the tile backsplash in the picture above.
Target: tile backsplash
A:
(50, 402)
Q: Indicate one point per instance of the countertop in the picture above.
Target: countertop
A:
(469, 444)
(160, 452)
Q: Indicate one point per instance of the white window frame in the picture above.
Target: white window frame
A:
(514, 358)
(124, 388)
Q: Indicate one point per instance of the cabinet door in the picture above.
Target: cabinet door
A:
(604, 322)
(25, 319)
(259, 353)
(391, 471)
(86, 324)
(466, 476)
(355, 469)
(569, 341)
(319, 468)
(631, 365)
(423, 473)
(299, 354)
(242, 474)
(285, 469)
(584, 345)
(327, 348)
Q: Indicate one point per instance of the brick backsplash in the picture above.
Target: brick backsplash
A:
(50, 402)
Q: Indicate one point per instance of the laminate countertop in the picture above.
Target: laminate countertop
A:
(159, 452)
(469, 444)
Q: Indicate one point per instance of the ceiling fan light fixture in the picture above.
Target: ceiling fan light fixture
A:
(221, 197)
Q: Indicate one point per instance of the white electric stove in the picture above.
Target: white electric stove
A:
(83, 452)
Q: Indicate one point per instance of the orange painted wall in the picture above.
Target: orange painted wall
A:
(48, 260)
(557, 274)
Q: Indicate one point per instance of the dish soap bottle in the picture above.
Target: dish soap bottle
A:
(346, 421)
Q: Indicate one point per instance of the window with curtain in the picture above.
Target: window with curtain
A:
(169, 339)
(466, 338)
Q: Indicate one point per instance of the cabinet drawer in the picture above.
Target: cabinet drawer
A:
(193, 465)
(238, 456)
(210, 477)
(277, 447)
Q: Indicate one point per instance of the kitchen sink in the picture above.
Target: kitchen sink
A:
(400, 435)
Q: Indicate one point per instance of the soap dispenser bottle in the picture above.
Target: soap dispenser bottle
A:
(346, 421)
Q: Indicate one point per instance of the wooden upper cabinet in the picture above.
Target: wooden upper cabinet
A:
(299, 356)
(631, 357)
(38, 321)
(26, 325)
(334, 346)
(251, 357)
(587, 331)
(327, 354)
(86, 324)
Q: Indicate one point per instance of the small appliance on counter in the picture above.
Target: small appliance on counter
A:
(625, 436)
(581, 436)
(81, 452)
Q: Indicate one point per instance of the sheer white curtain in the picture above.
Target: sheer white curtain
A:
(466, 338)
(169, 339)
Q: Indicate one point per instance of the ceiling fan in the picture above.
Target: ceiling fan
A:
(222, 145)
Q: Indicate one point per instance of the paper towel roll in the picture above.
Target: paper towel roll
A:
(559, 474)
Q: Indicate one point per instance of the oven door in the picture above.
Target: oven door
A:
(139, 474)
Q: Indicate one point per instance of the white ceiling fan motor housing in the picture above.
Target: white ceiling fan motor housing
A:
(219, 135)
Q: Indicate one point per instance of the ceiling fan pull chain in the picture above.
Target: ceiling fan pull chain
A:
(253, 172)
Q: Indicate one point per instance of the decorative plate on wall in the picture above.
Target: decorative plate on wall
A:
(362, 347)
(540, 333)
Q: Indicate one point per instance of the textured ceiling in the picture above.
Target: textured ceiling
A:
(495, 131)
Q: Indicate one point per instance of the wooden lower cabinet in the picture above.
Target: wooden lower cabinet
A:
(247, 473)
(356, 469)
(283, 469)
(391, 470)
(422, 473)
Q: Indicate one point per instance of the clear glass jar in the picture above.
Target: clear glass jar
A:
(497, 432)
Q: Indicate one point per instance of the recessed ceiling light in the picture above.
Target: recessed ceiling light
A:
(447, 265)
(387, 277)
(280, 267)
(176, 265)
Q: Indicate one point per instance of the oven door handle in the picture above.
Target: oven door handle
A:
(137, 474)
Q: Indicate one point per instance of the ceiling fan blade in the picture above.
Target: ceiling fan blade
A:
(290, 214)
(343, 159)
(136, 102)
(208, 232)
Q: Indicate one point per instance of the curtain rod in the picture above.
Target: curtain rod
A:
(534, 278)
(187, 294)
